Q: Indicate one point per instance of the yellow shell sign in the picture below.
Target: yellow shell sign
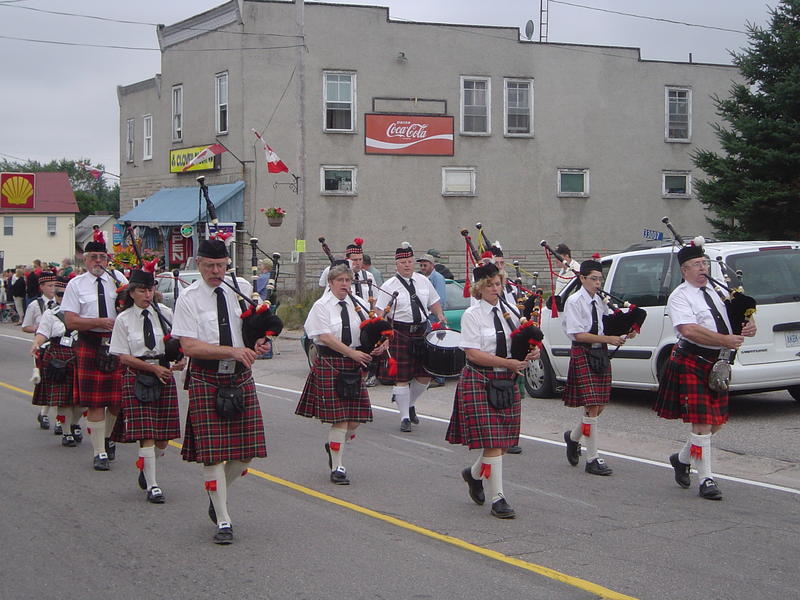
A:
(17, 190)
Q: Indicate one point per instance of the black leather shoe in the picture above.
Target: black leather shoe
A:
(212, 513)
(155, 495)
(111, 449)
(573, 449)
(598, 467)
(502, 510)
(412, 415)
(709, 490)
(77, 433)
(475, 487)
(681, 471)
(142, 480)
(405, 425)
(44, 422)
(101, 462)
(224, 536)
(514, 449)
(68, 441)
(330, 457)
(57, 430)
(339, 477)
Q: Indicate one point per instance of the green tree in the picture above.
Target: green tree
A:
(753, 189)
(92, 195)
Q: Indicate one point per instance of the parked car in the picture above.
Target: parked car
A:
(768, 361)
(165, 283)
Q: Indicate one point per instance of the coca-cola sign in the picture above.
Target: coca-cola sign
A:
(418, 135)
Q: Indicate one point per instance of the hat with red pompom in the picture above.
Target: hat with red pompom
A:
(355, 247)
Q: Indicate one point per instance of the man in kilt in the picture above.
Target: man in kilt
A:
(89, 309)
(479, 421)
(224, 429)
(335, 392)
(589, 374)
(149, 413)
(54, 344)
(701, 324)
(30, 323)
(409, 315)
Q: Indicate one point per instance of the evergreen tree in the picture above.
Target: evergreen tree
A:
(754, 187)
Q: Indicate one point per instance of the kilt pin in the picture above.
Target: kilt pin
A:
(94, 388)
(158, 420)
(320, 400)
(50, 393)
(584, 387)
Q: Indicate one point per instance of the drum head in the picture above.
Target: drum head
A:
(444, 338)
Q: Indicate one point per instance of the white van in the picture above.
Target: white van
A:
(770, 272)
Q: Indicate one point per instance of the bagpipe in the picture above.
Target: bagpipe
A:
(739, 306)
(617, 323)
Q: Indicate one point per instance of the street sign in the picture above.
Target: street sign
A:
(652, 234)
(187, 230)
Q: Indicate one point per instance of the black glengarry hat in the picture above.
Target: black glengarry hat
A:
(212, 249)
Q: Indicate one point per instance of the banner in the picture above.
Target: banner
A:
(17, 190)
(179, 158)
(177, 247)
(416, 135)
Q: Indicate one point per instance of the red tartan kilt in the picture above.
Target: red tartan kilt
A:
(584, 386)
(319, 397)
(95, 388)
(48, 393)
(684, 393)
(474, 422)
(154, 421)
(408, 366)
(211, 439)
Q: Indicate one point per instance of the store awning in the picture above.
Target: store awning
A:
(177, 206)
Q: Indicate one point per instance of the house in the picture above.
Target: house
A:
(85, 230)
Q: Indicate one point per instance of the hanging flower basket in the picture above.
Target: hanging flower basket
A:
(274, 215)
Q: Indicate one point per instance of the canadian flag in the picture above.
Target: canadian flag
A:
(94, 172)
(205, 154)
(274, 163)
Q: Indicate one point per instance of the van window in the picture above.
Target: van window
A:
(769, 276)
(645, 280)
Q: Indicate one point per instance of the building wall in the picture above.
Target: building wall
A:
(30, 240)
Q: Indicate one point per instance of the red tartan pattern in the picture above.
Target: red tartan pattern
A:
(474, 422)
(408, 366)
(684, 393)
(584, 387)
(319, 397)
(95, 388)
(48, 393)
(153, 421)
(210, 439)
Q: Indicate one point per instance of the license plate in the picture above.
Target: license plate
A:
(792, 338)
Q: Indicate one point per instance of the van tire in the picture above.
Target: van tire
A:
(539, 378)
(794, 390)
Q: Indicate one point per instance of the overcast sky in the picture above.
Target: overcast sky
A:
(60, 101)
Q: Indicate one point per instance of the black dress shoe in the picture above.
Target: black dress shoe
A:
(68, 441)
(573, 449)
(412, 415)
(515, 449)
(475, 487)
(212, 513)
(330, 457)
(111, 449)
(155, 495)
(101, 462)
(709, 490)
(77, 433)
(681, 471)
(224, 536)
(339, 477)
(502, 510)
(142, 480)
(44, 422)
(405, 425)
(57, 430)
(598, 467)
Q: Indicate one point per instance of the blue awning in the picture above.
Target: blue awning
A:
(177, 206)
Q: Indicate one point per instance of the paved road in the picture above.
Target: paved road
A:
(67, 530)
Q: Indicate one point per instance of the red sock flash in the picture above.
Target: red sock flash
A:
(696, 452)
(211, 486)
(586, 429)
(486, 470)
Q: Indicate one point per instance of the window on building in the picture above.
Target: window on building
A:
(338, 180)
(573, 183)
(340, 101)
(458, 181)
(8, 225)
(476, 105)
(678, 114)
(147, 139)
(129, 140)
(177, 113)
(51, 225)
(137, 201)
(221, 99)
(518, 113)
(676, 184)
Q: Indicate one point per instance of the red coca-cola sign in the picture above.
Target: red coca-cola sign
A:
(417, 135)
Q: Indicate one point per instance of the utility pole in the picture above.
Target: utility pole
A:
(301, 149)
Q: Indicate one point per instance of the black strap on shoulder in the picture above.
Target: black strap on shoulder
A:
(512, 309)
(61, 318)
(414, 297)
(40, 302)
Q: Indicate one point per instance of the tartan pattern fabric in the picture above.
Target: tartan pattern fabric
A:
(584, 387)
(319, 397)
(48, 393)
(684, 392)
(408, 365)
(95, 388)
(210, 439)
(153, 421)
(474, 422)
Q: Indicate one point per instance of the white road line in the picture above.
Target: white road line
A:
(427, 445)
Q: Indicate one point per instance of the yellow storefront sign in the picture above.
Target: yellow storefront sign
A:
(180, 157)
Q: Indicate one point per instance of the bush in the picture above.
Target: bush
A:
(294, 310)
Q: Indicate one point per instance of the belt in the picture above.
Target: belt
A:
(213, 365)
(92, 337)
(158, 359)
(585, 345)
(410, 327)
(482, 369)
(690, 348)
(330, 352)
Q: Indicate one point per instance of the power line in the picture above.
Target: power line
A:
(117, 47)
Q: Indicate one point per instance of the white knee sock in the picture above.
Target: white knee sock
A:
(234, 469)
(576, 434)
(75, 417)
(44, 410)
(351, 435)
(160, 452)
(336, 439)
(217, 488)
(403, 398)
(477, 468)
(493, 474)
(700, 453)
(416, 390)
(97, 433)
(589, 428)
(684, 453)
(111, 420)
(147, 456)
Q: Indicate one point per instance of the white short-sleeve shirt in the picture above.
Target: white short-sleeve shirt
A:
(80, 297)
(578, 313)
(50, 325)
(687, 306)
(401, 311)
(478, 329)
(325, 316)
(33, 313)
(128, 334)
(196, 314)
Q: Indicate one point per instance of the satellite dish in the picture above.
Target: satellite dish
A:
(529, 30)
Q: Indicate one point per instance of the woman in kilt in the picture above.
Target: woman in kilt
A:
(333, 324)
(138, 340)
(589, 374)
(476, 422)
(57, 369)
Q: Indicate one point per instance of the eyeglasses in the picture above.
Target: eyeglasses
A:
(699, 263)
(95, 256)
(595, 278)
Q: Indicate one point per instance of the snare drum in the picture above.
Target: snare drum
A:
(443, 356)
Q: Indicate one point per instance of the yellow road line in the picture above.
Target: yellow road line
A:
(577, 582)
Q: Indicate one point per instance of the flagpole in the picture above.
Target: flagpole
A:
(300, 273)
(241, 162)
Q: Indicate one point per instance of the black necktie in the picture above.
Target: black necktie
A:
(147, 327)
(417, 316)
(358, 285)
(594, 328)
(347, 337)
(50, 304)
(500, 335)
(718, 320)
(102, 309)
(225, 337)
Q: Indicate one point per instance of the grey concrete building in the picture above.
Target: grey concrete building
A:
(584, 144)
